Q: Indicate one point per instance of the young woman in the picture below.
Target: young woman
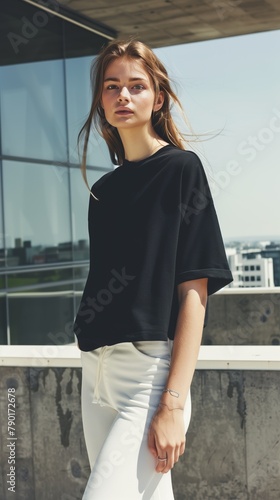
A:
(156, 253)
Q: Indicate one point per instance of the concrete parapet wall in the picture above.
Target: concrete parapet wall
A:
(243, 317)
(233, 442)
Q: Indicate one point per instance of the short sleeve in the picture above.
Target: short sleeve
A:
(200, 249)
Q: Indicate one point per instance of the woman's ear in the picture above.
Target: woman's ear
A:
(159, 101)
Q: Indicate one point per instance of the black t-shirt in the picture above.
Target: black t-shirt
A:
(153, 227)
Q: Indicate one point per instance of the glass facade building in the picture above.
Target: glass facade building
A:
(45, 96)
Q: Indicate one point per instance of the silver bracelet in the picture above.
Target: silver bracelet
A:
(175, 394)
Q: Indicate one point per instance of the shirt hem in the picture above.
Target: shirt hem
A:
(218, 278)
(90, 344)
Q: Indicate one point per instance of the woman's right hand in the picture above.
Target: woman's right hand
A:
(166, 437)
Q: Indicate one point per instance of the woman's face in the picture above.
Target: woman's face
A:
(128, 97)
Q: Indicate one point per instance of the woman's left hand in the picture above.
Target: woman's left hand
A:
(166, 437)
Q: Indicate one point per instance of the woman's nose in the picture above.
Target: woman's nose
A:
(123, 95)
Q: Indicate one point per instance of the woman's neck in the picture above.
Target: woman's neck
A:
(138, 145)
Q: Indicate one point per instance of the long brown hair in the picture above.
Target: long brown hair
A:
(162, 120)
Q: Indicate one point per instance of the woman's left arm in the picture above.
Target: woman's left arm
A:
(167, 433)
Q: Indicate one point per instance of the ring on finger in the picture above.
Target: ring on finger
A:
(162, 459)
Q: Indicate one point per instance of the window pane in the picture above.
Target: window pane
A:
(33, 111)
(80, 276)
(32, 34)
(37, 213)
(3, 324)
(47, 278)
(78, 106)
(2, 236)
(42, 317)
(79, 203)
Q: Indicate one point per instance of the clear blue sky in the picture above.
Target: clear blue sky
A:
(232, 85)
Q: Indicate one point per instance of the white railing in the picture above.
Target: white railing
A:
(218, 357)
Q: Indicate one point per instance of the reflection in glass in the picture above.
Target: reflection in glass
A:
(78, 106)
(42, 317)
(2, 238)
(37, 305)
(33, 111)
(3, 322)
(32, 34)
(80, 277)
(79, 204)
(37, 213)
(46, 278)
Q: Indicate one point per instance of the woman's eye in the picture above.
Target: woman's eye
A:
(111, 87)
(138, 86)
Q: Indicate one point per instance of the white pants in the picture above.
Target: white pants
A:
(121, 388)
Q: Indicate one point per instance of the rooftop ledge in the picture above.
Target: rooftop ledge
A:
(218, 357)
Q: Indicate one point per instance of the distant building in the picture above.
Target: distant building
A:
(273, 251)
(250, 269)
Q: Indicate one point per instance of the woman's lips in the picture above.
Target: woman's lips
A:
(124, 112)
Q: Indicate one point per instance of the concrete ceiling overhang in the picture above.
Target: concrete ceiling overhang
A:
(169, 22)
